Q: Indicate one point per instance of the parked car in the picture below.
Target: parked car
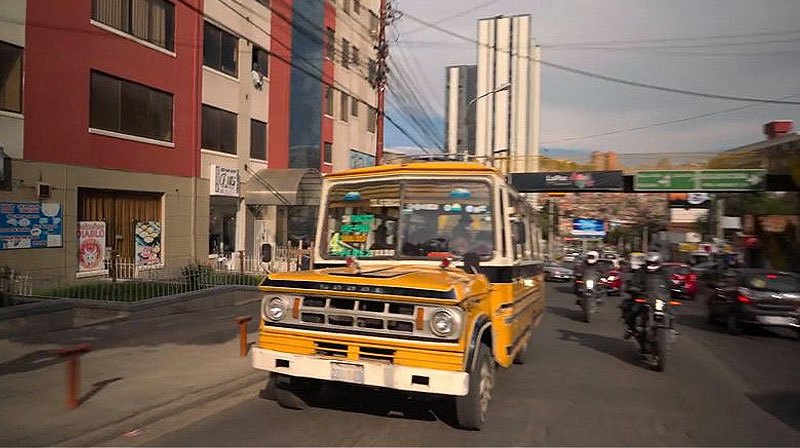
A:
(756, 297)
(556, 272)
(682, 281)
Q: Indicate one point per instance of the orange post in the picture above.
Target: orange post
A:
(72, 356)
(242, 321)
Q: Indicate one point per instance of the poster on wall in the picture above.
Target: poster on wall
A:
(30, 225)
(224, 181)
(147, 246)
(91, 247)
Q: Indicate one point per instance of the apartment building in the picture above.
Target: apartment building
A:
(166, 131)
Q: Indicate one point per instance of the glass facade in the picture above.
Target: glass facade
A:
(305, 104)
(222, 225)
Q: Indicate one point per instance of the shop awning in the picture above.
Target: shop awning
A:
(293, 186)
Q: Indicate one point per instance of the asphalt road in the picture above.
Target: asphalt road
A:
(584, 386)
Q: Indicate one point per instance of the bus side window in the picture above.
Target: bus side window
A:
(519, 236)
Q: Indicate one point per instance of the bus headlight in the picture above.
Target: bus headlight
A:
(443, 323)
(274, 308)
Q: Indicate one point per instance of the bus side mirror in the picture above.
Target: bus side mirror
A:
(266, 252)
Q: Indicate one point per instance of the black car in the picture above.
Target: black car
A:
(756, 297)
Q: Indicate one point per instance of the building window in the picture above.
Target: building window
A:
(222, 225)
(371, 68)
(327, 153)
(219, 130)
(129, 108)
(330, 43)
(345, 53)
(346, 6)
(328, 100)
(372, 116)
(264, 2)
(344, 110)
(357, 6)
(261, 61)
(258, 140)
(10, 77)
(354, 107)
(373, 22)
(355, 58)
(220, 50)
(149, 20)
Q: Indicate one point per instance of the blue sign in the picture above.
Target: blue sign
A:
(588, 227)
(30, 225)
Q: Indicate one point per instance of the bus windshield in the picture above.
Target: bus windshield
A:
(409, 219)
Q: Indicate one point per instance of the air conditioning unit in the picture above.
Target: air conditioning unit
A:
(43, 190)
(258, 79)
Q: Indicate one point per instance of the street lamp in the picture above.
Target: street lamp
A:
(500, 88)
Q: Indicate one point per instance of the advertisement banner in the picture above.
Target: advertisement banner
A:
(588, 227)
(91, 247)
(147, 248)
(224, 181)
(568, 181)
(30, 225)
(689, 200)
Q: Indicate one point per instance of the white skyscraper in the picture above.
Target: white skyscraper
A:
(459, 113)
(508, 88)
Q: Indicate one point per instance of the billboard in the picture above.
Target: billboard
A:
(30, 225)
(689, 200)
(568, 181)
(588, 227)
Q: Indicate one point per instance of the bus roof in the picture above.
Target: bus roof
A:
(416, 167)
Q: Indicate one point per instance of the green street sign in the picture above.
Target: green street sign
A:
(731, 180)
(665, 180)
(700, 180)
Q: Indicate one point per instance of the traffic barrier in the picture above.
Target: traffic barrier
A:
(242, 322)
(72, 356)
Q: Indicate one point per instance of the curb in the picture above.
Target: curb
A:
(100, 436)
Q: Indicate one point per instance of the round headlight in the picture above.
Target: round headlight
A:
(275, 308)
(442, 323)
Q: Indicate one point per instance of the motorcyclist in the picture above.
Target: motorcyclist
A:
(646, 281)
(589, 268)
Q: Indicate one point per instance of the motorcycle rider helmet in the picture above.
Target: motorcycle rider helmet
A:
(592, 256)
(653, 261)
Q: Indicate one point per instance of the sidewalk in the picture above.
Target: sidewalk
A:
(145, 366)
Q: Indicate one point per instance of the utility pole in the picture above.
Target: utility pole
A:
(380, 81)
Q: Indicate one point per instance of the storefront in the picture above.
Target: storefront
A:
(285, 205)
(224, 212)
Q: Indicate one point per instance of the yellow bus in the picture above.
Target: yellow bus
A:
(427, 276)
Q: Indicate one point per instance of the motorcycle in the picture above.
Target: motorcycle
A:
(590, 298)
(654, 328)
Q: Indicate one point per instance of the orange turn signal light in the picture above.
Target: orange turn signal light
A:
(296, 308)
(674, 303)
(420, 320)
(640, 300)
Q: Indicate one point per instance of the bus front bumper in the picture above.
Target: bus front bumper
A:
(374, 374)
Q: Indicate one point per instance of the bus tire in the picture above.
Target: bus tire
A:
(471, 409)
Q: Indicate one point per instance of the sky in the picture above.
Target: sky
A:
(765, 63)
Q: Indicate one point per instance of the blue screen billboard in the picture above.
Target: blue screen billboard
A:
(588, 227)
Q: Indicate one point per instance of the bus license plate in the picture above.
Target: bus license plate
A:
(349, 373)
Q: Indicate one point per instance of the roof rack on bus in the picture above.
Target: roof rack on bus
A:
(438, 157)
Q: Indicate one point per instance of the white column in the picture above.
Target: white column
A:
(533, 146)
(452, 109)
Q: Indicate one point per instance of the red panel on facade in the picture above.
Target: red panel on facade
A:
(280, 84)
(328, 77)
(63, 46)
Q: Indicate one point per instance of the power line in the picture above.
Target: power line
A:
(663, 123)
(706, 45)
(606, 77)
(303, 69)
(675, 39)
(457, 15)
